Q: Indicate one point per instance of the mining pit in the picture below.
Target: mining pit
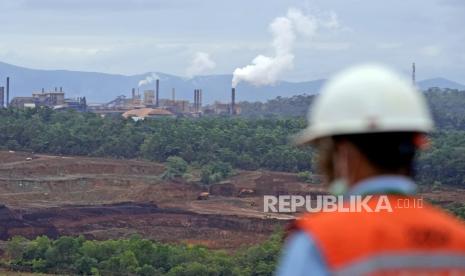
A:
(108, 199)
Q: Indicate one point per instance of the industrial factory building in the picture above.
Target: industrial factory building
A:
(22, 102)
(52, 99)
(48, 98)
(148, 104)
(140, 105)
(218, 108)
(149, 97)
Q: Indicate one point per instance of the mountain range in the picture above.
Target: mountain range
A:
(103, 87)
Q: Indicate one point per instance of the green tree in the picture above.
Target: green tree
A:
(175, 167)
(85, 264)
(15, 249)
(215, 172)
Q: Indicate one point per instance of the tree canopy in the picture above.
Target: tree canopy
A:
(136, 256)
(219, 144)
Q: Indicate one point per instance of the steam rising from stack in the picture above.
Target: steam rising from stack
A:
(148, 79)
(201, 63)
(265, 70)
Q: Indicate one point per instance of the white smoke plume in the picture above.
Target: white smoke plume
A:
(201, 63)
(148, 79)
(265, 70)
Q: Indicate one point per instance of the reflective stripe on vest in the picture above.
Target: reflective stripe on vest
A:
(413, 239)
(394, 264)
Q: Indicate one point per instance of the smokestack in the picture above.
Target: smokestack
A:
(413, 73)
(196, 100)
(2, 96)
(233, 101)
(7, 91)
(173, 95)
(133, 94)
(157, 92)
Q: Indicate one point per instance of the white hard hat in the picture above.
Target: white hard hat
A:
(366, 99)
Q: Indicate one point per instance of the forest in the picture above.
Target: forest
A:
(136, 256)
(259, 139)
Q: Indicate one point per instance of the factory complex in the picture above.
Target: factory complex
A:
(139, 105)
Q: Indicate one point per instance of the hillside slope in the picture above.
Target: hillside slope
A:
(102, 87)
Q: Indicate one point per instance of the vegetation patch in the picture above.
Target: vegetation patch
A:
(136, 256)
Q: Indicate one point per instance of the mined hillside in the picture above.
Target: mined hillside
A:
(108, 198)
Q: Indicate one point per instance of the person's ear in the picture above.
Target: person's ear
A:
(355, 159)
(342, 157)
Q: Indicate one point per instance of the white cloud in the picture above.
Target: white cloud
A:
(162, 35)
(431, 51)
(326, 46)
(79, 51)
(389, 45)
(332, 22)
(105, 5)
(200, 64)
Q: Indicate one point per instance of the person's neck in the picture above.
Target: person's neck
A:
(363, 174)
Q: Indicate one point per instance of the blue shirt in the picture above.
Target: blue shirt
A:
(301, 256)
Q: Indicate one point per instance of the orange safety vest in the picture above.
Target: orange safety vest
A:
(407, 241)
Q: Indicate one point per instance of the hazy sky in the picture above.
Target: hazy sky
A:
(137, 36)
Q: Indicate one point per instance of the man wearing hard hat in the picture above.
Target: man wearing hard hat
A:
(367, 125)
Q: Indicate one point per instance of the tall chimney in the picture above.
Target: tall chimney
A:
(157, 93)
(196, 100)
(133, 94)
(7, 91)
(413, 74)
(2, 96)
(233, 101)
(173, 95)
